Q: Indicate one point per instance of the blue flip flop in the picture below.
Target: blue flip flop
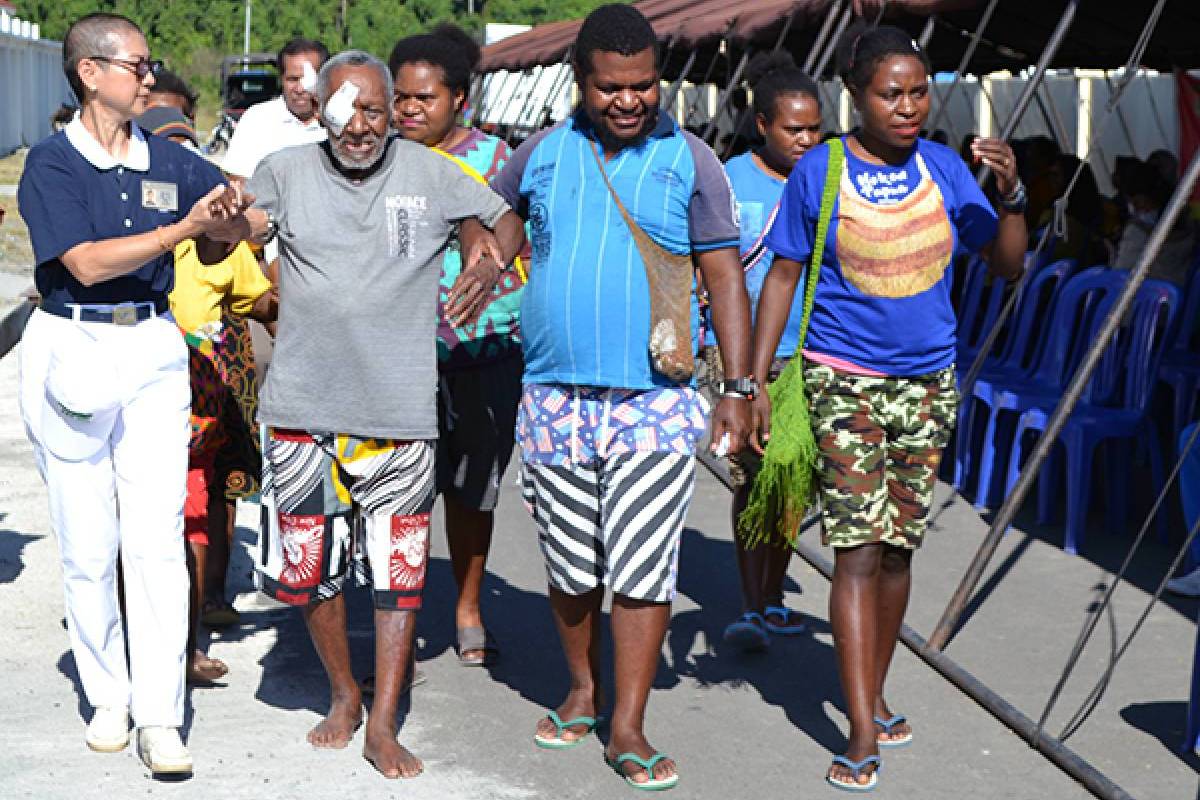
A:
(857, 768)
(792, 624)
(887, 725)
(653, 784)
(558, 742)
(748, 632)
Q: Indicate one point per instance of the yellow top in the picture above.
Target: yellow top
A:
(201, 292)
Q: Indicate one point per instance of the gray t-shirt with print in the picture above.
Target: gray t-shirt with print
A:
(356, 348)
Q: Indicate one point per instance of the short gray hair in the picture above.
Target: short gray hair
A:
(94, 35)
(351, 58)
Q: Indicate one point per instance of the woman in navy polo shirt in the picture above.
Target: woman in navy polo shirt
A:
(104, 382)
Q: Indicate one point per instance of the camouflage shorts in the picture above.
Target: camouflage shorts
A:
(743, 465)
(880, 441)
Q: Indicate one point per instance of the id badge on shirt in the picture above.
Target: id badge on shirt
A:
(160, 196)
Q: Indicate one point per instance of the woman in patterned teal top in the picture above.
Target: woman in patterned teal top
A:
(479, 365)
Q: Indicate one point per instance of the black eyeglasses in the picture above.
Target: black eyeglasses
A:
(140, 67)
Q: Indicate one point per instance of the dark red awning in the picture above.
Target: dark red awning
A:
(1101, 36)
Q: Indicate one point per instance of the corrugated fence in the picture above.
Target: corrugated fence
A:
(32, 86)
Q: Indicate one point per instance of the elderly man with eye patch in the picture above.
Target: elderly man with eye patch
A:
(363, 221)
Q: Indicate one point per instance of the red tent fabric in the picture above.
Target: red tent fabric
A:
(1100, 37)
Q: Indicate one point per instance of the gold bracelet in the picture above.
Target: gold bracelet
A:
(162, 243)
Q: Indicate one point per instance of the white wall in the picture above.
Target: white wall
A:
(32, 85)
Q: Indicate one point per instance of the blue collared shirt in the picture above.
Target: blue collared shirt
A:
(73, 191)
(585, 314)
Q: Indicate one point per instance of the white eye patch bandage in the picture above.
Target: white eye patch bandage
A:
(339, 109)
(308, 80)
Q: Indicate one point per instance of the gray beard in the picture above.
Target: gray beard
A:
(358, 166)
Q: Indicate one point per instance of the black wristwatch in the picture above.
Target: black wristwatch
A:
(272, 229)
(746, 388)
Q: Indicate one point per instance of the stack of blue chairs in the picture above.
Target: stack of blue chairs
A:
(1055, 321)
(1180, 367)
(1017, 359)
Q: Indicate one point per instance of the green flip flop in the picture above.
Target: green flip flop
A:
(558, 742)
(653, 784)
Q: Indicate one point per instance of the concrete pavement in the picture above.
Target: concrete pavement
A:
(740, 727)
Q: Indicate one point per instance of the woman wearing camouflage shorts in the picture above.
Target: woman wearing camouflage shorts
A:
(879, 356)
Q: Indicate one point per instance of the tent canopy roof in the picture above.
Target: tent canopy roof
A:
(1100, 37)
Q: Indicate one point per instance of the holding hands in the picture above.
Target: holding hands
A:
(482, 262)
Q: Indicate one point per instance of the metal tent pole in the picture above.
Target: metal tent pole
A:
(1125, 129)
(967, 384)
(818, 45)
(712, 65)
(1054, 120)
(967, 55)
(831, 45)
(927, 32)
(741, 117)
(563, 78)
(726, 93)
(949, 621)
(1053, 749)
(1027, 93)
(511, 92)
(1062, 756)
(677, 84)
(530, 98)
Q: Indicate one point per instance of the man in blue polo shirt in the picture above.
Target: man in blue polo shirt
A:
(607, 443)
(104, 383)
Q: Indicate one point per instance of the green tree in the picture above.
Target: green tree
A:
(192, 36)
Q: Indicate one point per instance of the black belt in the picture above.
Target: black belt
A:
(118, 314)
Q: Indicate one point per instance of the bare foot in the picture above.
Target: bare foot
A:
(392, 759)
(635, 742)
(582, 703)
(202, 669)
(337, 729)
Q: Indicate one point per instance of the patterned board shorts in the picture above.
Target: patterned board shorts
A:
(335, 505)
(616, 521)
(880, 440)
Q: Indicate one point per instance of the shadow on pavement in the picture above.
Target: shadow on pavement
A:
(12, 547)
(66, 666)
(1165, 721)
(707, 575)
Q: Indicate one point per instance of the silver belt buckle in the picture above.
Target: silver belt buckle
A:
(125, 315)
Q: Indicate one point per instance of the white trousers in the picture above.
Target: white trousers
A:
(126, 499)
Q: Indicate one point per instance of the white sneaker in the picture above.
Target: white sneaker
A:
(108, 732)
(1186, 585)
(163, 751)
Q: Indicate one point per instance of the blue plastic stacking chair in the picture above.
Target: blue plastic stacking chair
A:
(1180, 367)
(1113, 406)
(978, 309)
(1027, 334)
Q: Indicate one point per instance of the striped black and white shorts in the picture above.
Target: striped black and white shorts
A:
(338, 506)
(616, 521)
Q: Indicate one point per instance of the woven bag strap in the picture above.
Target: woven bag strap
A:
(833, 177)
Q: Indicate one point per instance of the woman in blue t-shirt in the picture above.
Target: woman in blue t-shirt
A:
(787, 113)
(879, 356)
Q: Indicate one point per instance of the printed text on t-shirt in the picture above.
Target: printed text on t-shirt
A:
(883, 187)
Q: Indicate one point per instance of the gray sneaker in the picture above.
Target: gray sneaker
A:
(1186, 585)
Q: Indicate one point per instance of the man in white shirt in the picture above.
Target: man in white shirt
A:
(288, 120)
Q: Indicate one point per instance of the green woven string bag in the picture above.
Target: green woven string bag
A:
(786, 484)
